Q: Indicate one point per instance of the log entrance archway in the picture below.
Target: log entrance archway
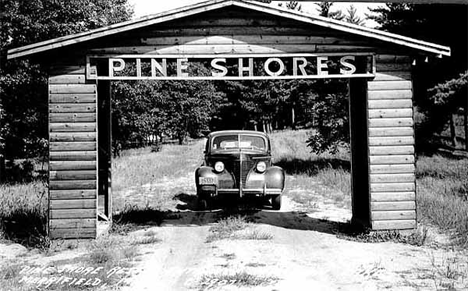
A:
(377, 63)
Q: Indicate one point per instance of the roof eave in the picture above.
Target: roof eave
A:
(216, 4)
(117, 28)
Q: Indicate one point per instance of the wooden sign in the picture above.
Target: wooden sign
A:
(230, 67)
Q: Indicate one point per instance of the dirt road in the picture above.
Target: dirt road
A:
(289, 250)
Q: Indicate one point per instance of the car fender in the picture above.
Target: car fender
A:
(204, 171)
(274, 178)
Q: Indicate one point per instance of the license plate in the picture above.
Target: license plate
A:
(208, 180)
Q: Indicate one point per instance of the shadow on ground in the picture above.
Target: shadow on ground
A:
(254, 211)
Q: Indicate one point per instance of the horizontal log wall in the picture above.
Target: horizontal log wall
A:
(73, 154)
(391, 145)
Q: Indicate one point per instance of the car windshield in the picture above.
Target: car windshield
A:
(237, 142)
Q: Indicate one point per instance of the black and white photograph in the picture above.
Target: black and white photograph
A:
(232, 145)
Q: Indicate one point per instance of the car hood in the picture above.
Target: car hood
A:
(235, 155)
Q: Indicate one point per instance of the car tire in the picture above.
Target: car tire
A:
(276, 202)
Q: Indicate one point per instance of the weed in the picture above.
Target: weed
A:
(109, 250)
(230, 256)
(23, 214)
(416, 238)
(253, 235)
(448, 272)
(226, 227)
(132, 216)
(235, 227)
(146, 240)
(442, 195)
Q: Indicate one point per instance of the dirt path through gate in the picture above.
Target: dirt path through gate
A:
(287, 250)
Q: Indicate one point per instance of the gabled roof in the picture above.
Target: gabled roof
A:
(217, 4)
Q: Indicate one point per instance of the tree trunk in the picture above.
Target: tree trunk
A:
(466, 124)
(453, 132)
(293, 118)
(2, 168)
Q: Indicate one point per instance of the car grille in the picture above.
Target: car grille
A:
(242, 171)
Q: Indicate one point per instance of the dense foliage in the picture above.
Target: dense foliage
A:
(23, 85)
(147, 110)
(442, 24)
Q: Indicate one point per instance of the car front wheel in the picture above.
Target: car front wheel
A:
(276, 202)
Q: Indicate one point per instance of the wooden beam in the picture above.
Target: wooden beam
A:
(72, 165)
(72, 185)
(391, 150)
(392, 178)
(72, 223)
(392, 196)
(393, 187)
(73, 204)
(393, 215)
(395, 169)
(72, 117)
(73, 194)
(394, 224)
(391, 206)
(70, 233)
(391, 122)
(73, 213)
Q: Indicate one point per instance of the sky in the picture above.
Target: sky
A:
(147, 7)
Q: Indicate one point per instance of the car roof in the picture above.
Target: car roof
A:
(226, 132)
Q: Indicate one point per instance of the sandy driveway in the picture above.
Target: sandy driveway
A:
(297, 248)
(303, 252)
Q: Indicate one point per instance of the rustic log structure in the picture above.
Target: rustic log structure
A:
(381, 110)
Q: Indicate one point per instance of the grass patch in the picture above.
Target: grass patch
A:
(226, 227)
(239, 279)
(23, 214)
(134, 217)
(443, 195)
(415, 238)
(235, 227)
(147, 240)
(253, 235)
(450, 272)
(110, 250)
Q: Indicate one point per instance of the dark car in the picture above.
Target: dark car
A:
(237, 163)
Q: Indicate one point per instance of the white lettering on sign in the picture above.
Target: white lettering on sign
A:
(300, 66)
(292, 66)
(162, 68)
(216, 66)
(351, 69)
(113, 68)
(280, 64)
(322, 66)
(249, 69)
(182, 66)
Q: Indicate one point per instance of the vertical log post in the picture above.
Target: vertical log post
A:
(359, 152)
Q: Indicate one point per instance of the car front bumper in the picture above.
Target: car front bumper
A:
(214, 191)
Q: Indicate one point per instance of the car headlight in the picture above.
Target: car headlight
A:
(219, 167)
(261, 167)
